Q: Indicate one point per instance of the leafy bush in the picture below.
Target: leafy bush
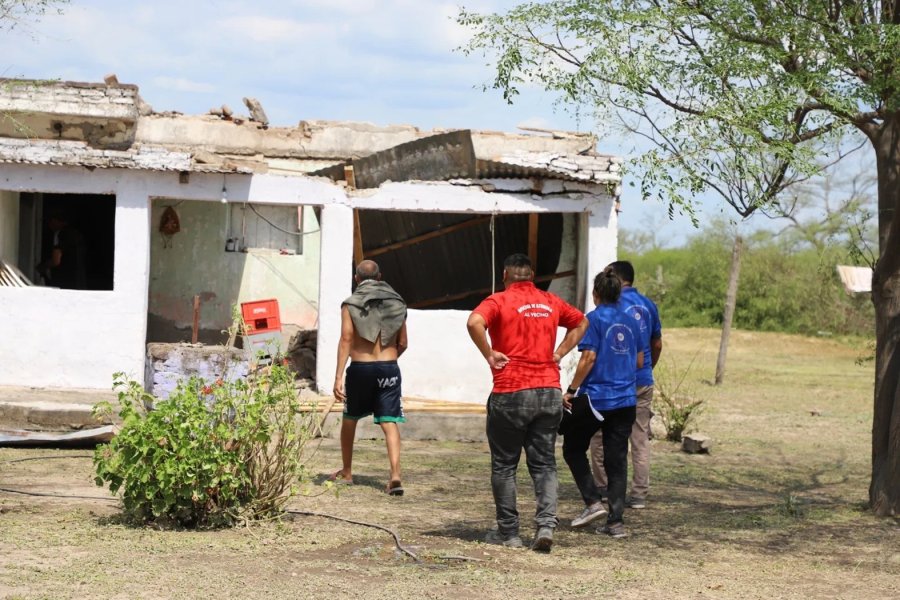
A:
(210, 454)
(674, 401)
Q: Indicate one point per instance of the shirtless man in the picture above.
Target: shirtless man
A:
(373, 336)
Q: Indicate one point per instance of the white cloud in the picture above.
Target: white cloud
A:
(180, 84)
(270, 30)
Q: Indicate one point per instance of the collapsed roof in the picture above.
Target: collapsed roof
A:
(108, 125)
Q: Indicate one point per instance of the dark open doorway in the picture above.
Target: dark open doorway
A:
(75, 241)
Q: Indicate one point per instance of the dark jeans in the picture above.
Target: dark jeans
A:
(525, 419)
(577, 429)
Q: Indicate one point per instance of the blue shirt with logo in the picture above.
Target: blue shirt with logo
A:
(612, 334)
(645, 313)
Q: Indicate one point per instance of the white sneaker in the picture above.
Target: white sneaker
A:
(588, 515)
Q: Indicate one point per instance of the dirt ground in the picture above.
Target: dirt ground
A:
(776, 511)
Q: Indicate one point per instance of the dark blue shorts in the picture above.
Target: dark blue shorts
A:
(373, 388)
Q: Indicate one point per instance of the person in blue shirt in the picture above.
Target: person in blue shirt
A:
(646, 315)
(602, 397)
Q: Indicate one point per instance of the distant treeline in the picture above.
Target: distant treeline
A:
(783, 287)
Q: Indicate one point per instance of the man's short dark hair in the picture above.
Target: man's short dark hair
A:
(517, 260)
(624, 269)
(367, 269)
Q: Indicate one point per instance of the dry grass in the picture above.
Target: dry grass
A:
(777, 511)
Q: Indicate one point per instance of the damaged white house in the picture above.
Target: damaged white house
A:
(219, 209)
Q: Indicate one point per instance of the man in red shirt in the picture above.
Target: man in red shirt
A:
(525, 405)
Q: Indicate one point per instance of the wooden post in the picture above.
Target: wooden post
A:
(195, 330)
(350, 177)
(358, 255)
(533, 239)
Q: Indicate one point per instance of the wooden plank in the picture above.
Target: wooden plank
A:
(195, 329)
(350, 177)
(483, 291)
(533, 239)
(427, 236)
(358, 254)
(447, 408)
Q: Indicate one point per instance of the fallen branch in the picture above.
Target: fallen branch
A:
(460, 557)
(393, 533)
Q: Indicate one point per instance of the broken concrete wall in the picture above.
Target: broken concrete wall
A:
(9, 227)
(195, 262)
(103, 116)
(169, 364)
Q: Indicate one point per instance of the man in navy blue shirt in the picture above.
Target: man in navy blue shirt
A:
(645, 313)
(602, 396)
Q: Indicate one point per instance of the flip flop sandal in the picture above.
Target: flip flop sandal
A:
(338, 478)
(394, 488)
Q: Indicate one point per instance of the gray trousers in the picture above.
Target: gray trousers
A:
(526, 419)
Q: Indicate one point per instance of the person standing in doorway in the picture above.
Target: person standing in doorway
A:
(525, 405)
(373, 337)
(65, 267)
(646, 315)
(602, 397)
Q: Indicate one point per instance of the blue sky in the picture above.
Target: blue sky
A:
(381, 61)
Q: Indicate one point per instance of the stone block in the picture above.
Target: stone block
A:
(696, 444)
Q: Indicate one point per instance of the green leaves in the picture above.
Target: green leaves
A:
(210, 453)
(731, 97)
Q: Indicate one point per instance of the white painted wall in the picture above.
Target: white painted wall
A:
(442, 362)
(335, 285)
(65, 338)
(9, 227)
(194, 262)
(69, 338)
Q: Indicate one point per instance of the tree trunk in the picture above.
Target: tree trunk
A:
(730, 300)
(884, 490)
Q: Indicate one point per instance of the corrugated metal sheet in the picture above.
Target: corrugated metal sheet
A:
(123, 164)
(458, 262)
(492, 169)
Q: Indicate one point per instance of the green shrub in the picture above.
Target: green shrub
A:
(674, 401)
(211, 454)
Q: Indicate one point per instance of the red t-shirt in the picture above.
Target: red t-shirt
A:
(522, 322)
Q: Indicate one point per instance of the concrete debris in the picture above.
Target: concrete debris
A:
(144, 109)
(302, 353)
(256, 111)
(207, 158)
(169, 364)
(226, 111)
(111, 80)
(87, 438)
(696, 444)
